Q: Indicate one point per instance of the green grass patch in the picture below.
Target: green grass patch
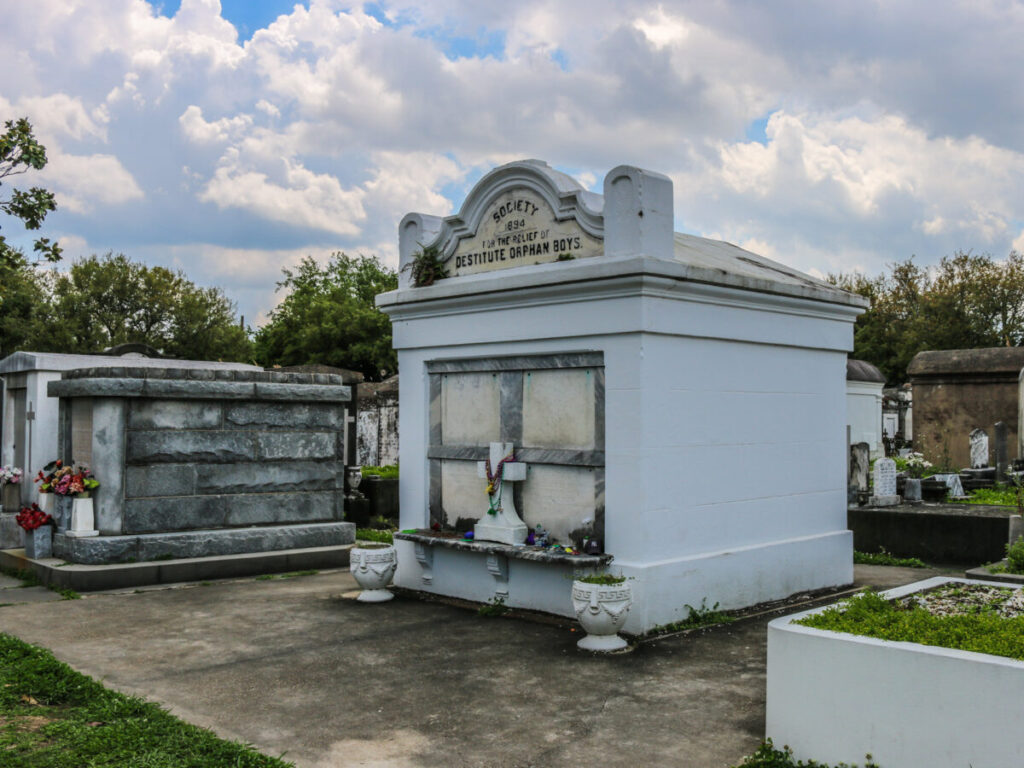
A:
(289, 575)
(53, 717)
(27, 578)
(699, 617)
(1001, 495)
(871, 615)
(885, 558)
(494, 608)
(386, 472)
(767, 756)
(371, 534)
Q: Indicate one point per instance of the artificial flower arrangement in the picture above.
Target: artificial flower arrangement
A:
(76, 480)
(46, 477)
(32, 517)
(9, 474)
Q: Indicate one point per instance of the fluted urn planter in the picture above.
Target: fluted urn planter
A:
(602, 609)
(373, 567)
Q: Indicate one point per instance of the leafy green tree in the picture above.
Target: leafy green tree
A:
(20, 153)
(107, 300)
(24, 305)
(965, 302)
(329, 317)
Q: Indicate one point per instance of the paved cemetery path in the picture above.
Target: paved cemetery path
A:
(292, 667)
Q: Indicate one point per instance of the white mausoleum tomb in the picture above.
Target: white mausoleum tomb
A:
(679, 399)
(864, 384)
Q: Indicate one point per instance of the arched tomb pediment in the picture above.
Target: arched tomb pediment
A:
(520, 213)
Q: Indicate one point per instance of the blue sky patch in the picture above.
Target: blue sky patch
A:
(756, 131)
(248, 16)
(485, 43)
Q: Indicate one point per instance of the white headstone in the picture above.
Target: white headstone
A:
(952, 481)
(979, 448)
(885, 484)
(501, 522)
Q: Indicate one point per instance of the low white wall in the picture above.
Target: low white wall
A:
(834, 697)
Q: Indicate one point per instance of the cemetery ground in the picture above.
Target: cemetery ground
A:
(298, 669)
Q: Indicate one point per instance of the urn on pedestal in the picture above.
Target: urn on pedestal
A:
(601, 604)
(373, 567)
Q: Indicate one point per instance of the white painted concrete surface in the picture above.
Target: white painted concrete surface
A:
(725, 411)
(834, 697)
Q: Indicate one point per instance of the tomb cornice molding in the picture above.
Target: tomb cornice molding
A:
(608, 278)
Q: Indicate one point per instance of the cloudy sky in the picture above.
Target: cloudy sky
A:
(229, 139)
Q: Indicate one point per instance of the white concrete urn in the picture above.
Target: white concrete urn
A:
(602, 610)
(83, 519)
(373, 567)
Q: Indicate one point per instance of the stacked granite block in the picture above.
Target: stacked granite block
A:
(198, 462)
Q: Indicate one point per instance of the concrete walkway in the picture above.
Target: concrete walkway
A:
(296, 669)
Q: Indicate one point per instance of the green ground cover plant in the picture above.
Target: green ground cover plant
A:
(52, 717)
(871, 615)
(767, 756)
(885, 558)
(699, 617)
(1002, 495)
(371, 534)
(1015, 557)
(387, 472)
(604, 579)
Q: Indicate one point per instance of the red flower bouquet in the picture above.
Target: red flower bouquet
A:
(32, 517)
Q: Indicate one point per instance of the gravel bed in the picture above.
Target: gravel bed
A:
(966, 599)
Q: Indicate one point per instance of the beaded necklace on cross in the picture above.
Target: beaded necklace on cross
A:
(494, 482)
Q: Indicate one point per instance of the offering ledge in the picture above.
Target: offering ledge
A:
(518, 552)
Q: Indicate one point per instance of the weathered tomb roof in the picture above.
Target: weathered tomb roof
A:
(862, 370)
(993, 361)
(21, 362)
(721, 263)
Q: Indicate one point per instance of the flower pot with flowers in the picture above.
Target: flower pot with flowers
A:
(38, 528)
(9, 477)
(76, 483)
(47, 499)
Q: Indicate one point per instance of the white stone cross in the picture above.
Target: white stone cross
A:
(504, 526)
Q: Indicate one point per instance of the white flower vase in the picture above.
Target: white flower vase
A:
(373, 568)
(48, 503)
(602, 610)
(83, 519)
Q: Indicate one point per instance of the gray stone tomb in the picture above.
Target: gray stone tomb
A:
(196, 463)
(1002, 453)
(859, 465)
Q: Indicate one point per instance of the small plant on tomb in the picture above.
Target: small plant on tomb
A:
(602, 579)
(496, 607)
(427, 267)
(1015, 556)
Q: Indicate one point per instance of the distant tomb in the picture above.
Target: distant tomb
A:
(196, 462)
(677, 403)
